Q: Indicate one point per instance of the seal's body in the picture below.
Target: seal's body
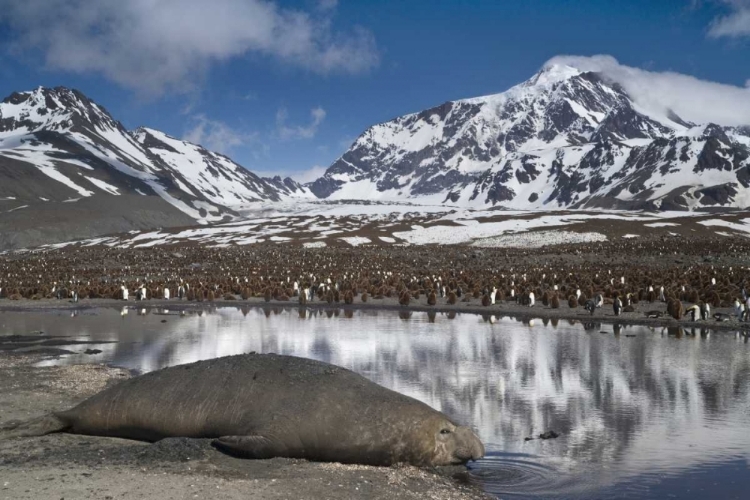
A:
(263, 406)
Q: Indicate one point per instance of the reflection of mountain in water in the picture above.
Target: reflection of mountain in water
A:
(652, 401)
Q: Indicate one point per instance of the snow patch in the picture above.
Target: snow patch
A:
(109, 188)
(724, 223)
(314, 244)
(356, 240)
(538, 239)
(661, 224)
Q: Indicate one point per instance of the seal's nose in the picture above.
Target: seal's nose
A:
(477, 451)
(471, 447)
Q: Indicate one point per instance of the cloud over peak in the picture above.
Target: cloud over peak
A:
(695, 100)
(156, 45)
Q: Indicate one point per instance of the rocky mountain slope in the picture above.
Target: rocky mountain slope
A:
(57, 147)
(564, 139)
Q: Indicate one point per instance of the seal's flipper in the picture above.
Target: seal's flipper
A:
(35, 427)
(258, 447)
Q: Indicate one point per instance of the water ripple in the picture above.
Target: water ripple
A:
(514, 475)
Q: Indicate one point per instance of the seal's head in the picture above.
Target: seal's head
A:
(445, 443)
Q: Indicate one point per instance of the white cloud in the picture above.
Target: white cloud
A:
(327, 4)
(317, 115)
(217, 136)
(695, 100)
(309, 175)
(735, 24)
(158, 45)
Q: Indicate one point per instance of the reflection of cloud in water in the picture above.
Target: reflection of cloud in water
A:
(642, 399)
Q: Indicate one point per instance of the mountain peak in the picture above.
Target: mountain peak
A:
(45, 108)
(50, 97)
(570, 136)
(553, 73)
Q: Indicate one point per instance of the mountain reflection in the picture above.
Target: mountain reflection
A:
(625, 399)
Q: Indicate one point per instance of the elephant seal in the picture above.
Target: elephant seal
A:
(265, 405)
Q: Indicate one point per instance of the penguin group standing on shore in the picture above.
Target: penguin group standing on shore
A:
(501, 275)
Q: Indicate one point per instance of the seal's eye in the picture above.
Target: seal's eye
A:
(445, 431)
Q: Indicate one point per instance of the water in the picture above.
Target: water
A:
(642, 413)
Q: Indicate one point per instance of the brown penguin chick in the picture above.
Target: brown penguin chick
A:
(672, 309)
(211, 296)
(303, 299)
(432, 299)
(451, 298)
(555, 302)
(330, 297)
(348, 297)
(486, 300)
(572, 302)
(267, 295)
(405, 298)
(283, 298)
(545, 298)
(364, 297)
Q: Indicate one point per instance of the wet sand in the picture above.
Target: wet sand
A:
(69, 466)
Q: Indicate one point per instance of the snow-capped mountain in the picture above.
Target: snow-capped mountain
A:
(200, 172)
(564, 139)
(82, 151)
(68, 169)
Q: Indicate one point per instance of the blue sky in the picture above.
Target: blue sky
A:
(286, 86)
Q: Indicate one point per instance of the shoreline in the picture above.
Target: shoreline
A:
(76, 466)
(604, 315)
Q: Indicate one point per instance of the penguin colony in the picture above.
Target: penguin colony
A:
(690, 279)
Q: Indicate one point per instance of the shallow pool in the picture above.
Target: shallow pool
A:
(641, 412)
